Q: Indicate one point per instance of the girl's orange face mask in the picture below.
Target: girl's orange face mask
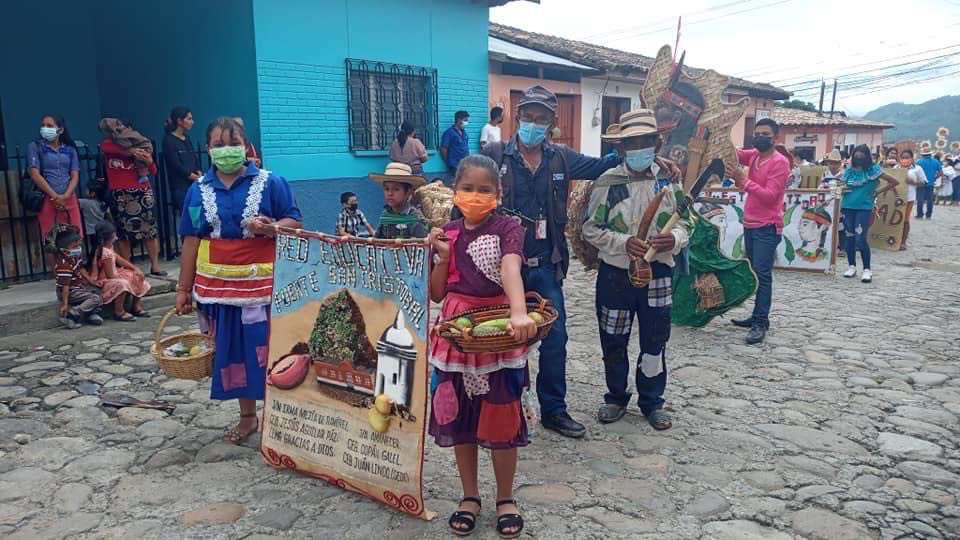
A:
(474, 205)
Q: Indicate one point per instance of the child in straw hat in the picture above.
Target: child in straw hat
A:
(400, 219)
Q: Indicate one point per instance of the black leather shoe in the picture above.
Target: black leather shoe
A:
(564, 425)
(756, 334)
(743, 323)
(610, 413)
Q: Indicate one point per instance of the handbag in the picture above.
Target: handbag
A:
(30, 196)
(50, 241)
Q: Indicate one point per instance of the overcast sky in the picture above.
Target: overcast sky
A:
(789, 43)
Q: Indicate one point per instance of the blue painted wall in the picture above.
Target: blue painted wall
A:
(154, 55)
(40, 76)
(301, 47)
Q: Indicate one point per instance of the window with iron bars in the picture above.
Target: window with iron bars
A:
(381, 95)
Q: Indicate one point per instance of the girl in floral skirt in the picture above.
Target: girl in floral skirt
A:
(476, 397)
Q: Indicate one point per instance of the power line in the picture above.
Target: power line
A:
(917, 81)
(672, 28)
(866, 81)
(664, 20)
(784, 82)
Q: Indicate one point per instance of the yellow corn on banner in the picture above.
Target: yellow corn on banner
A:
(347, 367)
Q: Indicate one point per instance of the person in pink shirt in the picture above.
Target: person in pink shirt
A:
(768, 172)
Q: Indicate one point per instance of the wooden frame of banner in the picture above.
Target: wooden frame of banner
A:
(836, 220)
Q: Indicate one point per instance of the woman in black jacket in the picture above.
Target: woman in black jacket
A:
(179, 156)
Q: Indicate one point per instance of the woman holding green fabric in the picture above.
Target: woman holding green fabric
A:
(400, 219)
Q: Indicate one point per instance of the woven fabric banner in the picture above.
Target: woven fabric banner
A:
(347, 373)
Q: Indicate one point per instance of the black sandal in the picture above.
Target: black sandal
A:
(508, 521)
(464, 517)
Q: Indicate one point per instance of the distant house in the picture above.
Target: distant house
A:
(811, 135)
(595, 84)
(322, 86)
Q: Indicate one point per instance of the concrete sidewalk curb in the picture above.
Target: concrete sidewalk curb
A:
(36, 317)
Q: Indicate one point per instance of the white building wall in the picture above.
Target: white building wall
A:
(591, 106)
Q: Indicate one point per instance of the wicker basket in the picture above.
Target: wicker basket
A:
(499, 342)
(183, 367)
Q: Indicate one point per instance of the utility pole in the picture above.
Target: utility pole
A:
(823, 89)
(833, 101)
(676, 44)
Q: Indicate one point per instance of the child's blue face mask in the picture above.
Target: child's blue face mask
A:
(74, 252)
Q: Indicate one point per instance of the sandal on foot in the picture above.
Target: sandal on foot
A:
(235, 436)
(660, 420)
(142, 313)
(610, 413)
(126, 317)
(509, 521)
(465, 518)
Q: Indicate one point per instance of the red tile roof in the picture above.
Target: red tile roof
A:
(796, 117)
(611, 60)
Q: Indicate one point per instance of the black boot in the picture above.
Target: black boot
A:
(756, 334)
(564, 425)
(743, 323)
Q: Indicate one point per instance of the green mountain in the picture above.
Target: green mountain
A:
(920, 122)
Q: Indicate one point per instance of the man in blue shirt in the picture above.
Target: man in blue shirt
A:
(932, 168)
(535, 175)
(454, 145)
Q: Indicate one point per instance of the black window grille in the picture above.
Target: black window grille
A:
(381, 95)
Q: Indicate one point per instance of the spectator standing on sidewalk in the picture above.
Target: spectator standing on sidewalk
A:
(933, 170)
(179, 156)
(491, 131)
(455, 143)
(915, 179)
(408, 149)
(133, 199)
(764, 183)
(55, 168)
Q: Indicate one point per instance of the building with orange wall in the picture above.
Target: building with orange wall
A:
(811, 135)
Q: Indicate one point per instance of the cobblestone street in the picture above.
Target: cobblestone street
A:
(844, 424)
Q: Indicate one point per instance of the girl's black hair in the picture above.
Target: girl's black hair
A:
(65, 138)
(479, 161)
(176, 114)
(227, 123)
(103, 232)
(406, 129)
(865, 150)
(906, 151)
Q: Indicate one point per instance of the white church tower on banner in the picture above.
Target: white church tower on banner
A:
(396, 355)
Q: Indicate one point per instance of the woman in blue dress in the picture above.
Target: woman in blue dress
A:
(227, 229)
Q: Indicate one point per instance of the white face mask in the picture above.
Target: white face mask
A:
(464, 123)
(48, 133)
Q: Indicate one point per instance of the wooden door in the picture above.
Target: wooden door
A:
(568, 119)
(613, 107)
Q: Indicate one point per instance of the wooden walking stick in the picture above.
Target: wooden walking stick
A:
(683, 203)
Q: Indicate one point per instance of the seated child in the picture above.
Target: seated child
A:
(400, 219)
(477, 396)
(117, 277)
(78, 303)
(351, 221)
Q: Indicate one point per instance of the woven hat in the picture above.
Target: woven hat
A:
(834, 155)
(398, 172)
(925, 149)
(539, 95)
(635, 123)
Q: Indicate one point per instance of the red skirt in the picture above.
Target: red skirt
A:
(446, 357)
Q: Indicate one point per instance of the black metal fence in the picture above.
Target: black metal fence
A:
(22, 255)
